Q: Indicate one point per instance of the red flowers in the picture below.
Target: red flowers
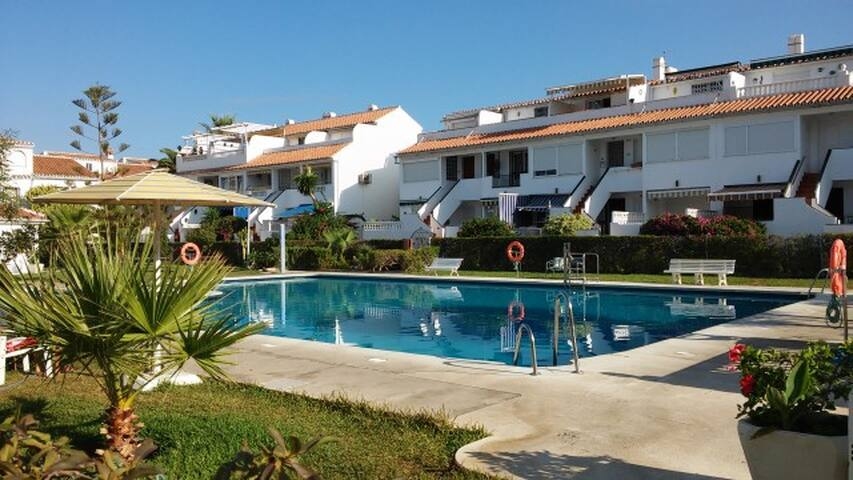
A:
(736, 352)
(747, 384)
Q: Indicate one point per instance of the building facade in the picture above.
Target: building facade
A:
(770, 139)
(353, 155)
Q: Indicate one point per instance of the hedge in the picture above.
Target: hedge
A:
(792, 257)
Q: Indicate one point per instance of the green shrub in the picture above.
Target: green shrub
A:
(204, 237)
(361, 256)
(313, 226)
(770, 256)
(566, 224)
(485, 227)
(228, 226)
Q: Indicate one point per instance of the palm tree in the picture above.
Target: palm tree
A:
(169, 161)
(218, 121)
(339, 240)
(306, 183)
(102, 314)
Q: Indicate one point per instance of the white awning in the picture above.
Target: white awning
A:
(747, 192)
(677, 193)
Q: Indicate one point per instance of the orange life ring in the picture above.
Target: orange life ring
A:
(515, 251)
(511, 312)
(190, 253)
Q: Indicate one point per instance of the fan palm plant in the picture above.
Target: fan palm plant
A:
(99, 312)
(339, 240)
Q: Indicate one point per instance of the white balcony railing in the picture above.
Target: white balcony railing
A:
(381, 226)
(838, 80)
(628, 218)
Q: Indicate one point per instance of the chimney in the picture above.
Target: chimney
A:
(658, 68)
(796, 44)
(372, 107)
(330, 115)
(290, 121)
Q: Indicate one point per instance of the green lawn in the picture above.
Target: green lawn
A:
(197, 428)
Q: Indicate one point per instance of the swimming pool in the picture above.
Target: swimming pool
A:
(470, 320)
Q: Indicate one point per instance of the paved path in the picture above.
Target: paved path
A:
(661, 411)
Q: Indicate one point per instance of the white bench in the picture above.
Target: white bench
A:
(699, 268)
(450, 264)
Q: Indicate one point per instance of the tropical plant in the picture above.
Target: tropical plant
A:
(276, 462)
(306, 184)
(169, 160)
(566, 224)
(339, 240)
(9, 201)
(218, 121)
(113, 321)
(38, 191)
(28, 454)
(793, 390)
(20, 241)
(99, 103)
(485, 227)
(314, 225)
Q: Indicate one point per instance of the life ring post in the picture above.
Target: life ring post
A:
(515, 254)
(190, 254)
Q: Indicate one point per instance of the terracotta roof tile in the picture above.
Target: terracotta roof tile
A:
(701, 72)
(53, 153)
(46, 165)
(339, 121)
(746, 105)
(126, 169)
(32, 215)
(284, 157)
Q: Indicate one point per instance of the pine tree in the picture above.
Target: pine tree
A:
(98, 112)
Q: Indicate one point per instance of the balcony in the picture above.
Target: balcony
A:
(628, 218)
(503, 181)
(841, 79)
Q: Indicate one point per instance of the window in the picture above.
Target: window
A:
(285, 179)
(693, 144)
(761, 210)
(598, 103)
(707, 87)
(570, 159)
(493, 164)
(616, 153)
(518, 161)
(89, 167)
(300, 141)
(661, 147)
(451, 166)
(324, 174)
(540, 111)
(776, 137)
(468, 166)
(544, 161)
(420, 171)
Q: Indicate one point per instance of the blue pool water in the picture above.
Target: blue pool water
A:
(470, 320)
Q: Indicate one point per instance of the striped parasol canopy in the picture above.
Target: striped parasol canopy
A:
(154, 187)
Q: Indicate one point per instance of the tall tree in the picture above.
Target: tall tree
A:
(9, 201)
(169, 159)
(98, 112)
(218, 121)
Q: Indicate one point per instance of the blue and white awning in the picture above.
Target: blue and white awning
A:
(303, 209)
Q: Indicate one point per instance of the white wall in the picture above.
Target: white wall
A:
(373, 151)
(792, 216)
(260, 143)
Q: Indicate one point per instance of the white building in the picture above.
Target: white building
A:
(353, 154)
(27, 170)
(771, 139)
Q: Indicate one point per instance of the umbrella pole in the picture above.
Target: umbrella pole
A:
(156, 237)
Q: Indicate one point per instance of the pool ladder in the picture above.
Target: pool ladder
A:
(562, 298)
(825, 272)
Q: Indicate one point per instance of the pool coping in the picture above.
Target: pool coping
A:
(770, 290)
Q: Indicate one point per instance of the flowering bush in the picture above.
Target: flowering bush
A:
(794, 390)
(670, 224)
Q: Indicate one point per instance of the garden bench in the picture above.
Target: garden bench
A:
(699, 268)
(450, 264)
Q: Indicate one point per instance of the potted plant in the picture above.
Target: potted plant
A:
(787, 428)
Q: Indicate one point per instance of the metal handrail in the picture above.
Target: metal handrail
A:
(816, 278)
(530, 335)
(572, 328)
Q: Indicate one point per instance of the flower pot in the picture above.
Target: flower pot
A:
(781, 454)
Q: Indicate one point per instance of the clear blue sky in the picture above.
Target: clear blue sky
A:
(175, 62)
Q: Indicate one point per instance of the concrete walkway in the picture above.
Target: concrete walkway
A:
(661, 411)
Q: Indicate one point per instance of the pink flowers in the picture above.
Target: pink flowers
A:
(747, 384)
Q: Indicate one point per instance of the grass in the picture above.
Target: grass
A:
(664, 279)
(198, 428)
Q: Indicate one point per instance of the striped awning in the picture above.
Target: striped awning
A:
(532, 203)
(677, 193)
(747, 192)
